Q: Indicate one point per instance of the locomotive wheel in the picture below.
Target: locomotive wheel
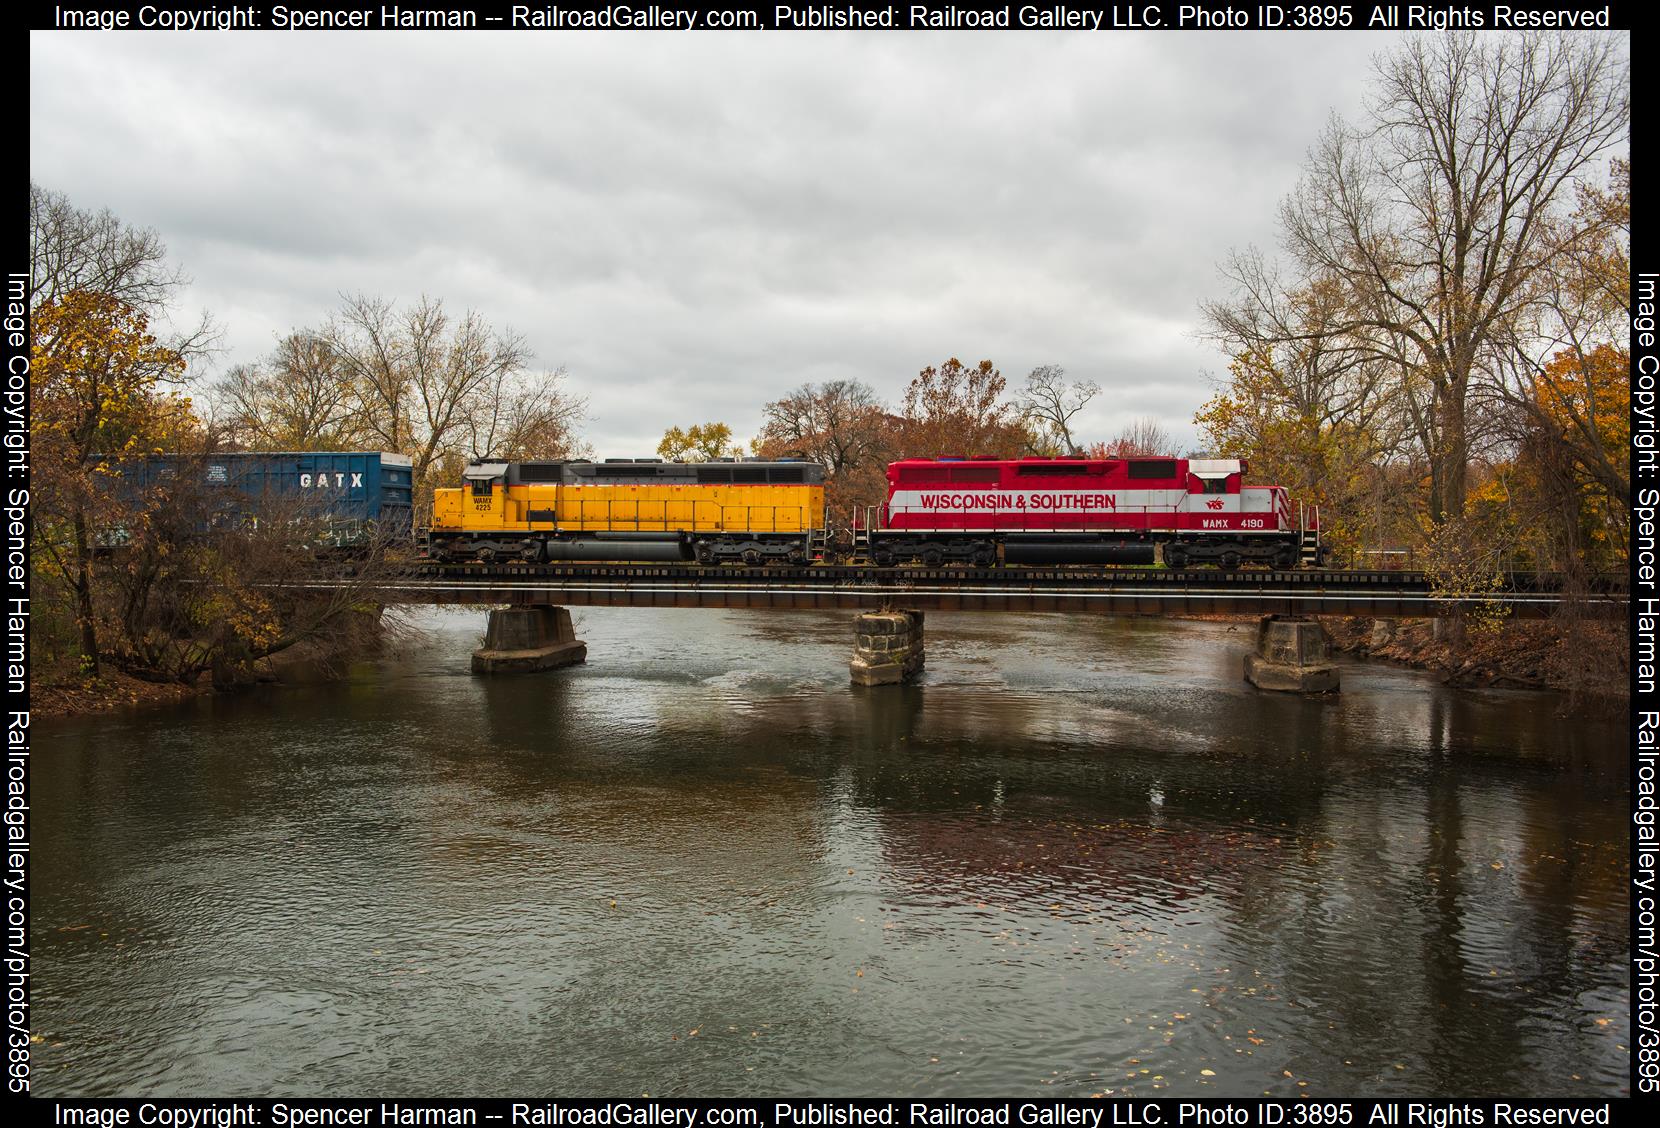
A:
(704, 552)
(753, 557)
(1175, 556)
(487, 554)
(1285, 558)
(932, 556)
(883, 558)
(797, 557)
(1230, 560)
(531, 551)
(985, 556)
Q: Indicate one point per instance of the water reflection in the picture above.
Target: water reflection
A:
(1081, 856)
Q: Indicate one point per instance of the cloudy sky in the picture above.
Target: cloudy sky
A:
(695, 224)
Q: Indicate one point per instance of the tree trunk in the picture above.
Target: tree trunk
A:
(1455, 459)
(83, 596)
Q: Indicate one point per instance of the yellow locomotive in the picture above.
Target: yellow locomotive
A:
(747, 511)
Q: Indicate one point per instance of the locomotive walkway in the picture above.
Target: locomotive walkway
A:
(1111, 591)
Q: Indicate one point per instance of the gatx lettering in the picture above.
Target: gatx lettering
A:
(325, 480)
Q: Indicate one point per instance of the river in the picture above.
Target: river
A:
(1082, 856)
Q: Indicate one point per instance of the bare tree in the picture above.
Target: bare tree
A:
(1048, 404)
(1293, 338)
(299, 399)
(422, 383)
(1143, 437)
(526, 415)
(73, 249)
(1431, 218)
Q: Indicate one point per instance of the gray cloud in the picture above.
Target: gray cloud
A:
(696, 224)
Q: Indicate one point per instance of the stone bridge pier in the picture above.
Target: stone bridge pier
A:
(521, 639)
(1292, 654)
(887, 647)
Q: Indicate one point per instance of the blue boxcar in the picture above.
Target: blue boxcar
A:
(354, 492)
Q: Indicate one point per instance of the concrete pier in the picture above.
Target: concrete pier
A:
(1293, 655)
(888, 647)
(521, 639)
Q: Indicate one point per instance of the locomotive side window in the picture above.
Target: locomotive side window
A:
(481, 487)
(1215, 485)
(1150, 468)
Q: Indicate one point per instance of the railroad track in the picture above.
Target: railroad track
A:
(1073, 590)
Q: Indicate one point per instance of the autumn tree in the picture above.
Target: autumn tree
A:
(957, 409)
(1565, 369)
(1323, 450)
(701, 442)
(840, 424)
(98, 375)
(209, 578)
(1048, 403)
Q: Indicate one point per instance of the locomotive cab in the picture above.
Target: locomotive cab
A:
(484, 495)
(1215, 475)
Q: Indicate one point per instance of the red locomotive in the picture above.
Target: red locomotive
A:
(1076, 510)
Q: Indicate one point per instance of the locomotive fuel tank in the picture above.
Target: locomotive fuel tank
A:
(652, 547)
(1036, 549)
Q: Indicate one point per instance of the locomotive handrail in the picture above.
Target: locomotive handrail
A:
(609, 513)
(1081, 521)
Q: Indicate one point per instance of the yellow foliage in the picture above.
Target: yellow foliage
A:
(96, 368)
(701, 441)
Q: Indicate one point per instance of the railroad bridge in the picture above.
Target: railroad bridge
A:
(531, 628)
(1094, 591)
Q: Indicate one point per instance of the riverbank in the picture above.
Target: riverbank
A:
(73, 696)
(1586, 659)
(61, 690)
